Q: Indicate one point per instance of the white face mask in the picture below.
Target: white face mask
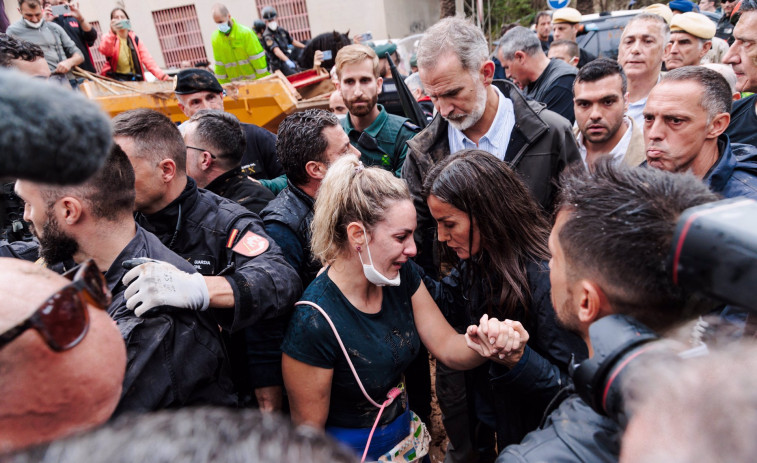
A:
(224, 27)
(34, 25)
(273, 25)
(373, 275)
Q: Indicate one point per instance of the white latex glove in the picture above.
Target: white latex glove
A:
(153, 283)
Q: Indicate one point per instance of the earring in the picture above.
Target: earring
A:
(357, 248)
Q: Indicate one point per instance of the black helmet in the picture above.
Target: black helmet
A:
(268, 13)
(258, 25)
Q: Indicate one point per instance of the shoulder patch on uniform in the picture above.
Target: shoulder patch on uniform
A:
(269, 41)
(411, 126)
(251, 245)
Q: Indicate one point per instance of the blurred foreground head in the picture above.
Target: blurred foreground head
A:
(47, 394)
(49, 134)
(196, 435)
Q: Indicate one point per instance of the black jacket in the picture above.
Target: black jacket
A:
(541, 145)
(204, 228)
(175, 358)
(259, 160)
(83, 40)
(293, 209)
(518, 396)
(554, 88)
(572, 433)
(237, 187)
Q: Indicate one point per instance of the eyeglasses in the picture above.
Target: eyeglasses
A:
(213, 156)
(63, 320)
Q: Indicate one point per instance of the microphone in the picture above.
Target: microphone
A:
(49, 134)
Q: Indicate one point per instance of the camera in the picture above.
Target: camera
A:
(327, 55)
(713, 252)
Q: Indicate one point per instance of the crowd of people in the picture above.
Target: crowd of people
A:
(214, 265)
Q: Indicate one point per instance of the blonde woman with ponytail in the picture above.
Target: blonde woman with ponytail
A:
(363, 233)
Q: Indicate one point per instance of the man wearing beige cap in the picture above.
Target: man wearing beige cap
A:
(565, 26)
(690, 39)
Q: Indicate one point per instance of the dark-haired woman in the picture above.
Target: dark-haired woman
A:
(127, 57)
(495, 238)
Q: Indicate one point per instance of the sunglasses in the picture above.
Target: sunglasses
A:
(63, 320)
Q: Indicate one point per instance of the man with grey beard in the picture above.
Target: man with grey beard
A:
(475, 111)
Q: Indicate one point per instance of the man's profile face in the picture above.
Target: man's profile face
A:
(599, 107)
(675, 125)
(37, 68)
(359, 87)
(55, 245)
(339, 144)
(564, 31)
(641, 49)
(683, 49)
(193, 102)
(565, 308)
(516, 70)
(31, 14)
(543, 28)
(46, 395)
(148, 183)
(742, 56)
(458, 94)
(561, 52)
(219, 18)
(336, 103)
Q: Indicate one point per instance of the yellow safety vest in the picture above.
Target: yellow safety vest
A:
(239, 55)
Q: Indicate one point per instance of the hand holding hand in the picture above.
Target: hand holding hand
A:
(502, 341)
(152, 283)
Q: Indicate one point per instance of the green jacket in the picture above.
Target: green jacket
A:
(239, 55)
(391, 134)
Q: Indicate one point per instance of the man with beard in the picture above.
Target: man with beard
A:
(609, 243)
(379, 136)
(475, 111)
(174, 358)
(602, 127)
(686, 135)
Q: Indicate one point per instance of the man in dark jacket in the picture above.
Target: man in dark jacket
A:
(609, 222)
(174, 357)
(245, 274)
(546, 81)
(683, 136)
(476, 112)
(79, 29)
(198, 89)
(215, 144)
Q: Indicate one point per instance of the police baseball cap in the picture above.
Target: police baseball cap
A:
(566, 15)
(196, 80)
(385, 48)
(695, 24)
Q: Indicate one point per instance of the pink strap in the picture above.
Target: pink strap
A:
(391, 395)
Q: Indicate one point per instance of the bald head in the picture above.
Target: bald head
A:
(46, 395)
(220, 12)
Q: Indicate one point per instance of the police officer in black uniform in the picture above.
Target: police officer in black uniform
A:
(246, 274)
(279, 44)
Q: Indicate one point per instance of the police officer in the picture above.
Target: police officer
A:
(247, 277)
(379, 136)
(388, 98)
(279, 43)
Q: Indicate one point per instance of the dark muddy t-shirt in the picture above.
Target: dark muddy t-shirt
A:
(380, 345)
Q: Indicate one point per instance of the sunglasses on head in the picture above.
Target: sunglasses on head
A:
(63, 320)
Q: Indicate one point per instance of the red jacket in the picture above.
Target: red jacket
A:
(109, 46)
